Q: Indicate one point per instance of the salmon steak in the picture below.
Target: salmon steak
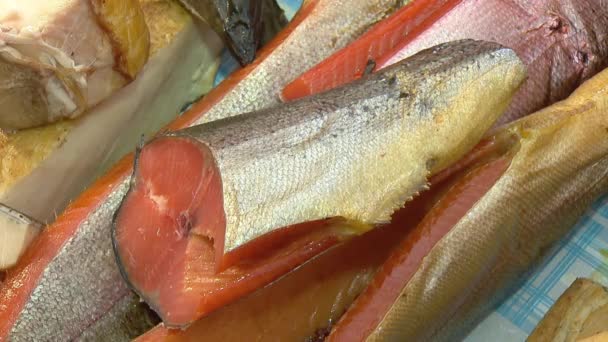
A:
(226, 183)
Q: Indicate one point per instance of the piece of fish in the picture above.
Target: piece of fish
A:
(34, 162)
(360, 56)
(302, 305)
(562, 43)
(580, 312)
(514, 202)
(234, 180)
(50, 73)
(72, 261)
(243, 24)
(17, 231)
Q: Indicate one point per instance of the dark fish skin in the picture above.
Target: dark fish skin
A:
(243, 24)
(273, 20)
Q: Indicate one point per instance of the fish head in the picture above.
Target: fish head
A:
(457, 90)
(241, 21)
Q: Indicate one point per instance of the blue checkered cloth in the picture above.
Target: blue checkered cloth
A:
(583, 253)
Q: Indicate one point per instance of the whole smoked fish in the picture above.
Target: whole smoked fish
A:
(357, 152)
(562, 43)
(520, 195)
(72, 260)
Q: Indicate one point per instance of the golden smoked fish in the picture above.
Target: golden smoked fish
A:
(580, 313)
(357, 152)
(499, 219)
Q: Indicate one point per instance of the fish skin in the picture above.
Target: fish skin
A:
(565, 42)
(328, 28)
(415, 113)
(49, 73)
(560, 167)
(128, 319)
(72, 261)
(420, 116)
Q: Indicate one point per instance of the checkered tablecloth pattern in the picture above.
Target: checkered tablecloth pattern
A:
(582, 253)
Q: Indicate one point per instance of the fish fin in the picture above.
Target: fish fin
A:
(138, 148)
(353, 226)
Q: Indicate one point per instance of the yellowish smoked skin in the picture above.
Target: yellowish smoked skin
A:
(129, 34)
(601, 337)
(87, 50)
(165, 19)
(560, 168)
(580, 313)
(22, 151)
(448, 102)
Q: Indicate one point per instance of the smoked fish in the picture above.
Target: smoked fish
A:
(517, 199)
(243, 24)
(357, 152)
(72, 260)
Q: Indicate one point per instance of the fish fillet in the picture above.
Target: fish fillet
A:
(92, 283)
(234, 180)
(556, 166)
(48, 72)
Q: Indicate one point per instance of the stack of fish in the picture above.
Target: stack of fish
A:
(116, 109)
(382, 170)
